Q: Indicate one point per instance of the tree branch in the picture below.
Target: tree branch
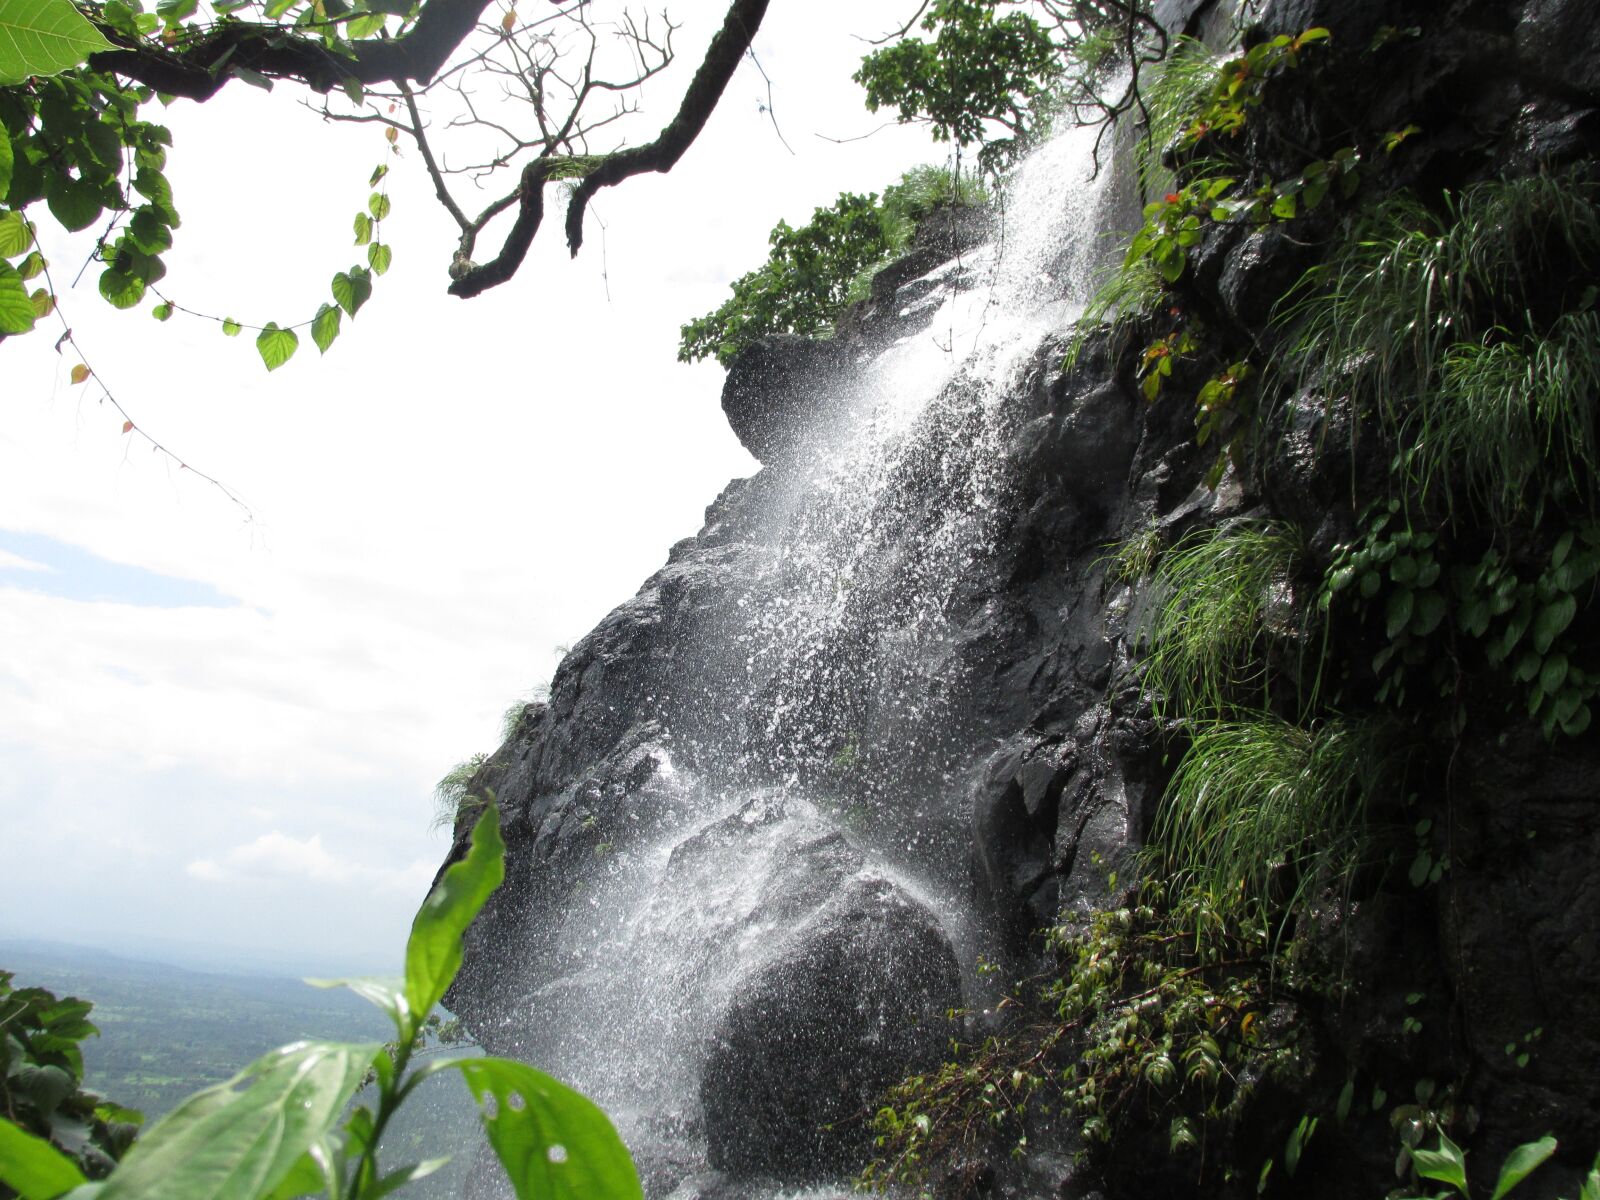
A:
(200, 70)
(722, 58)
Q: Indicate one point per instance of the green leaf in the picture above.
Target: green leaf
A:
(1521, 1163)
(378, 205)
(387, 994)
(1446, 1164)
(277, 346)
(162, 312)
(15, 236)
(379, 256)
(554, 1143)
(230, 327)
(1553, 620)
(1430, 611)
(77, 205)
(325, 327)
(7, 162)
(1398, 613)
(31, 266)
(396, 1180)
(230, 1144)
(43, 37)
(351, 289)
(1553, 674)
(16, 309)
(433, 952)
(378, 172)
(32, 1167)
(120, 290)
(363, 229)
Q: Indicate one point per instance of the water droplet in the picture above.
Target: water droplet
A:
(557, 1154)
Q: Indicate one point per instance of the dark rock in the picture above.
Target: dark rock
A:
(851, 1001)
(777, 389)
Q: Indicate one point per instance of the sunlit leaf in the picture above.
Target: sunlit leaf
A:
(32, 1167)
(80, 374)
(352, 288)
(554, 1143)
(277, 346)
(379, 256)
(433, 952)
(43, 37)
(387, 994)
(378, 205)
(363, 229)
(325, 327)
(31, 266)
(161, 312)
(43, 302)
(378, 172)
(231, 327)
(240, 1139)
(16, 309)
(15, 236)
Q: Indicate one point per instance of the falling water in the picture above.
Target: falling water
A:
(826, 726)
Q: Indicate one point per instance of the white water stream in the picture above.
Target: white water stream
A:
(847, 617)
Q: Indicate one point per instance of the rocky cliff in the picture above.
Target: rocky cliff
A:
(818, 789)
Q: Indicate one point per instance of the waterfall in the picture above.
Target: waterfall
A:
(790, 872)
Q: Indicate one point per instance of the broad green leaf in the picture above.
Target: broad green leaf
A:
(162, 312)
(387, 994)
(1446, 1164)
(32, 1167)
(15, 236)
(1399, 612)
(230, 1144)
(325, 327)
(7, 161)
(351, 289)
(1521, 1163)
(43, 302)
(433, 952)
(120, 290)
(277, 346)
(16, 309)
(378, 205)
(231, 327)
(382, 169)
(363, 225)
(1553, 620)
(554, 1143)
(395, 1180)
(43, 37)
(379, 256)
(31, 266)
(77, 205)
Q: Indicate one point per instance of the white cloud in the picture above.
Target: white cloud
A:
(277, 855)
(15, 562)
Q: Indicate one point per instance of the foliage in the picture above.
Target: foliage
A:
(43, 37)
(1518, 611)
(1471, 334)
(1154, 1017)
(271, 1131)
(1263, 814)
(450, 793)
(1447, 1164)
(980, 67)
(811, 271)
(41, 1080)
(1225, 590)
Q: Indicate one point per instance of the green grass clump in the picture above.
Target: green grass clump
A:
(1261, 812)
(1206, 641)
(1470, 333)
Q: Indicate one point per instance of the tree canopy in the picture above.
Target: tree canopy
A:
(496, 101)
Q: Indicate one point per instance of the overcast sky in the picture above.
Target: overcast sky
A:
(219, 736)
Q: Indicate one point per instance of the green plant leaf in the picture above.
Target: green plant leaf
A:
(554, 1143)
(1398, 612)
(230, 1144)
(325, 327)
(276, 346)
(15, 236)
(1553, 620)
(378, 205)
(7, 164)
(230, 327)
(387, 994)
(77, 205)
(352, 288)
(121, 290)
(433, 952)
(17, 314)
(363, 226)
(379, 256)
(32, 1167)
(1522, 1162)
(162, 312)
(1446, 1164)
(43, 37)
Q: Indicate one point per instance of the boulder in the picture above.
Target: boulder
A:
(852, 1001)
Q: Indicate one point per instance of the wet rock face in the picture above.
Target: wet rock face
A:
(853, 1000)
